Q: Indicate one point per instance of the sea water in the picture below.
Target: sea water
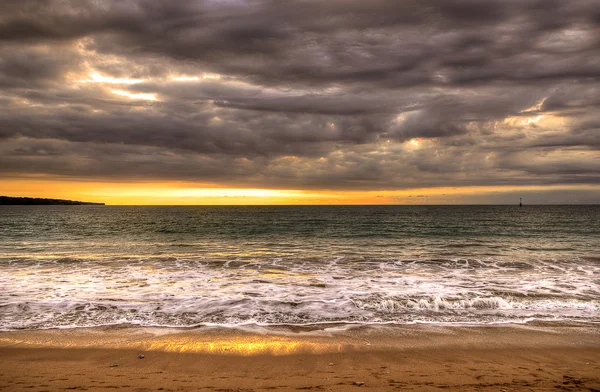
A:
(76, 266)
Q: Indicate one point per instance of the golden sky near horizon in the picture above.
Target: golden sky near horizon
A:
(185, 193)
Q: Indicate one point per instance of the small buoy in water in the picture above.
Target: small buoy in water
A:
(141, 356)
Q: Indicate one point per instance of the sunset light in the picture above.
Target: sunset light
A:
(185, 78)
(95, 77)
(143, 96)
(299, 195)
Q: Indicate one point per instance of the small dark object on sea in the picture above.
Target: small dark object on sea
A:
(141, 356)
(359, 383)
(114, 365)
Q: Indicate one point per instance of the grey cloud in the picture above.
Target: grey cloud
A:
(25, 66)
(425, 124)
(309, 93)
(544, 163)
(309, 42)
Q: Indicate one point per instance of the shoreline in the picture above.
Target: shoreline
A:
(310, 339)
(536, 356)
(322, 325)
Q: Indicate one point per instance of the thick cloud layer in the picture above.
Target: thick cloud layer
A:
(339, 94)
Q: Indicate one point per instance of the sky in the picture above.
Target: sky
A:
(301, 102)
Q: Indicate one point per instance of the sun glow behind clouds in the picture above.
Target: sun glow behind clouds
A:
(531, 120)
(185, 78)
(95, 77)
(534, 108)
(144, 96)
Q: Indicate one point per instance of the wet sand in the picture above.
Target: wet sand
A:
(537, 357)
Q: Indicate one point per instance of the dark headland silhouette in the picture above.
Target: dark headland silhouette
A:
(34, 201)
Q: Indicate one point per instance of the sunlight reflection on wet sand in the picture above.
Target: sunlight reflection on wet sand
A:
(221, 344)
(252, 345)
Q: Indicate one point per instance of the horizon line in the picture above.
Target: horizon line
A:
(306, 205)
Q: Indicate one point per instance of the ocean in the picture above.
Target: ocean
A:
(84, 266)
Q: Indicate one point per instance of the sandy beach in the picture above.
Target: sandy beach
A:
(537, 357)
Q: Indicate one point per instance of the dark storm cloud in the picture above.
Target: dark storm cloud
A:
(396, 43)
(29, 67)
(338, 94)
(426, 124)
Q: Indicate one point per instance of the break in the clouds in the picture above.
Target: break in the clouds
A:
(336, 94)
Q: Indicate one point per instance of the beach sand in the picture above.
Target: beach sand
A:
(533, 357)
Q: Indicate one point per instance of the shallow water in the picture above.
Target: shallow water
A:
(72, 266)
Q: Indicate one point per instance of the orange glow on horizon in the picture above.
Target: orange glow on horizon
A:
(187, 193)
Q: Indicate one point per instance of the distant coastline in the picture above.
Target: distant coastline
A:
(33, 201)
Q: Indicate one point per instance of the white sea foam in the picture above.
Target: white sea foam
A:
(180, 292)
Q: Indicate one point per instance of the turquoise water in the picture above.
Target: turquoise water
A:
(71, 266)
